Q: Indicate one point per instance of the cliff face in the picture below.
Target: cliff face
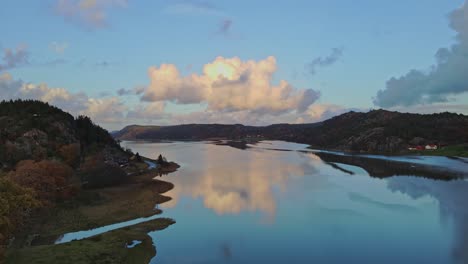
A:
(375, 131)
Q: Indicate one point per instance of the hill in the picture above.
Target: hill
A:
(377, 131)
(35, 130)
(46, 157)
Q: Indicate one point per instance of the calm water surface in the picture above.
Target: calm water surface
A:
(262, 205)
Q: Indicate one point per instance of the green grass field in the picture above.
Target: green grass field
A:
(452, 151)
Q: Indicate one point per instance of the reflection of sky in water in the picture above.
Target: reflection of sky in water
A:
(458, 164)
(266, 206)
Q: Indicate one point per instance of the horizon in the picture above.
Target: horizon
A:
(191, 62)
(313, 122)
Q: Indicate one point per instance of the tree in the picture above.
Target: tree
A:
(16, 203)
(70, 154)
(138, 157)
(95, 173)
(47, 178)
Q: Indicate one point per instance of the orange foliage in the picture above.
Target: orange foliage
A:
(70, 154)
(92, 161)
(47, 178)
(16, 204)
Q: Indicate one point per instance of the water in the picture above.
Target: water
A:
(261, 205)
(134, 244)
(100, 230)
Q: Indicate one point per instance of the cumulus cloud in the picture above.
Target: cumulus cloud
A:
(109, 111)
(433, 108)
(102, 110)
(229, 84)
(14, 89)
(314, 113)
(320, 112)
(446, 78)
(106, 110)
(249, 189)
(13, 58)
(90, 13)
(148, 113)
(326, 61)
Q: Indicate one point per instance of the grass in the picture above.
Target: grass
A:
(451, 151)
(91, 209)
(105, 248)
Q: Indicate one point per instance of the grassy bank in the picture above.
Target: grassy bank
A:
(110, 247)
(91, 209)
(450, 151)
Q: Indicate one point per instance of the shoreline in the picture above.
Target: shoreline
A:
(95, 208)
(442, 152)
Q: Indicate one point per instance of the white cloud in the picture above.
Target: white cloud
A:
(433, 108)
(446, 78)
(106, 110)
(229, 84)
(13, 58)
(102, 110)
(148, 113)
(314, 113)
(90, 13)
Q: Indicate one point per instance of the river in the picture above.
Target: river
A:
(277, 202)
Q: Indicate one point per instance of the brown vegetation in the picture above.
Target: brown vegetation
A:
(70, 154)
(47, 178)
(16, 204)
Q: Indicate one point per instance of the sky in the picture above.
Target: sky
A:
(260, 62)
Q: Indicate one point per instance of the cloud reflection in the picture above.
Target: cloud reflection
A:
(230, 182)
(452, 197)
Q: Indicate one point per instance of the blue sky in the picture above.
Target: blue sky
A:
(96, 47)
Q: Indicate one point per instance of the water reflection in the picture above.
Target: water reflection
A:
(318, 208)
(379, 167)
(452, 197)
(233, 181)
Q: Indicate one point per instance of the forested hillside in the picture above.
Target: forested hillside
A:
(377, 131)
(46, 157)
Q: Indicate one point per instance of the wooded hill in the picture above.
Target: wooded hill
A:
(46, 156)
(377, 131)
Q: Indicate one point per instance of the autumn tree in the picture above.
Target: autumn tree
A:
(70, 154)
(47, 178)
(96, 173)
(16, 204)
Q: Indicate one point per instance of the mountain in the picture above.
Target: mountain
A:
(378, 131)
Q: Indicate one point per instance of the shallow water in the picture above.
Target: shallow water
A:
(103, 229)
(261, 205)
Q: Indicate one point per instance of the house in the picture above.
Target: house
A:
(431, 147)
(419, 147)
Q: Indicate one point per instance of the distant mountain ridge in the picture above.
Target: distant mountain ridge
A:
(379, 131)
